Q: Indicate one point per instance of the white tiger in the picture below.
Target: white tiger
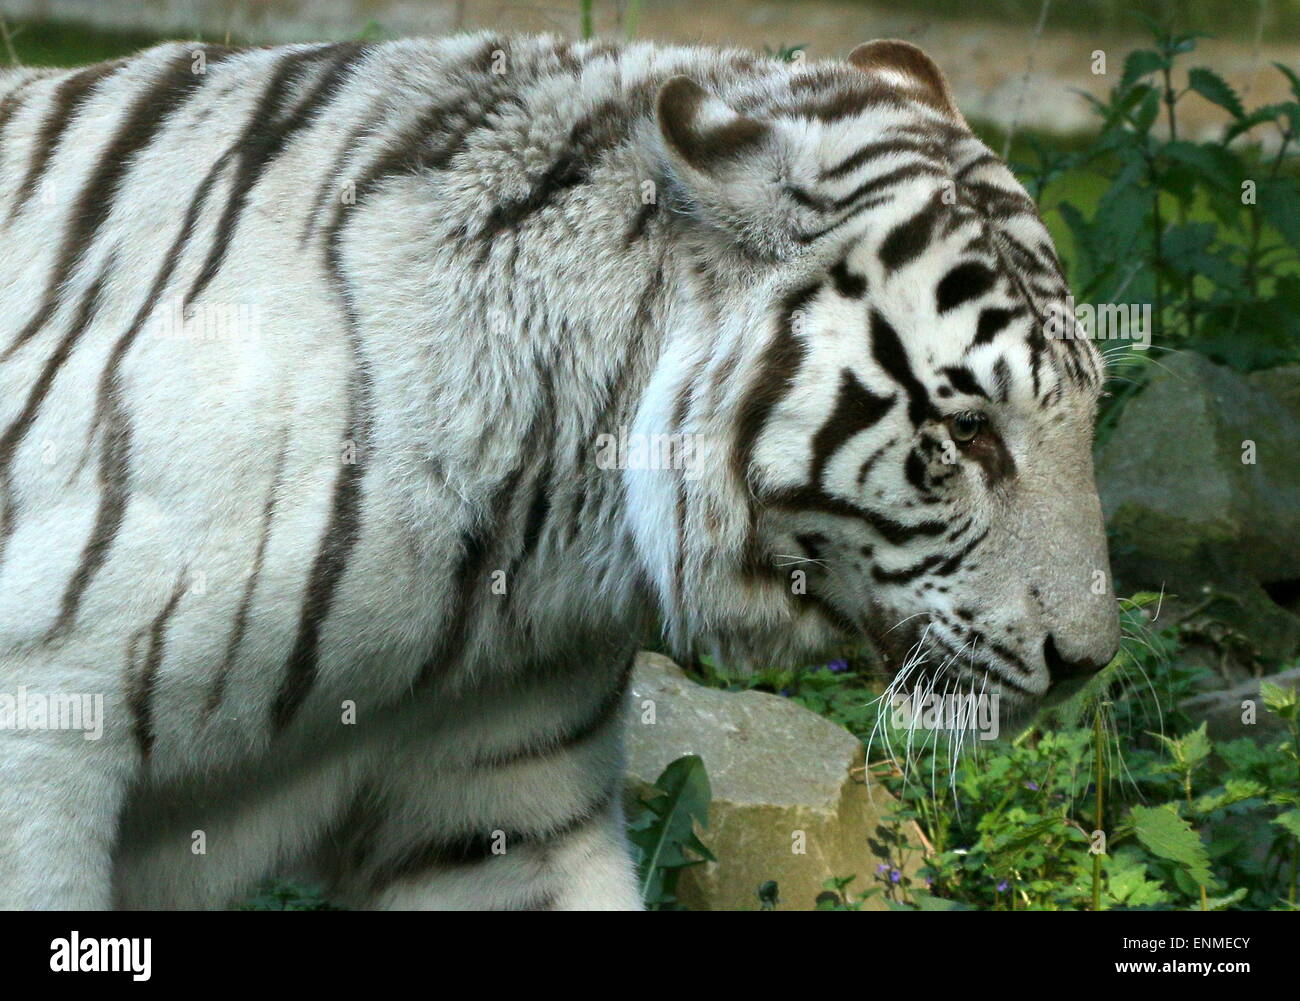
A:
(306, 358)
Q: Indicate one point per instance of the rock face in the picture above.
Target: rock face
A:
(1222, 710)
(775, 769)
(1185, 511)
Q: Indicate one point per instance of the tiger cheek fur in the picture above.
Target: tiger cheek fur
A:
(308, 380)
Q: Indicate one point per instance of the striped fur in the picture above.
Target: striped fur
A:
(358, 594)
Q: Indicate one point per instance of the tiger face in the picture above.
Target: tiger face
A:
(928, 465)
(910, 442)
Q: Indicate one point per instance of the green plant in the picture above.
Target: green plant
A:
(1207, 234)
(283, 895)
(662, 832)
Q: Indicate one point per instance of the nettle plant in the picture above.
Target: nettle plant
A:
(1186, 822)
(1207, 233)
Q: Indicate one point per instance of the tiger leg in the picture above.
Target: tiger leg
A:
(520, 809)
(60, 793)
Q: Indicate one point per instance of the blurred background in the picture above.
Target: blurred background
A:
(1007, 60)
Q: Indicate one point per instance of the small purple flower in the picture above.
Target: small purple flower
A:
(895, 875)
(1002, 887)
(1031, 784)
(882, 868)
(838, 666)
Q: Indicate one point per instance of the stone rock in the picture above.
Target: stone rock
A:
(1185, 512)
(775, 768)
(1222, 710)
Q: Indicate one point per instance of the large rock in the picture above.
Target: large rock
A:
(775, 769)
(1185, 511)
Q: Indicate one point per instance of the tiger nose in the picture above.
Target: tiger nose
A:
(1058, 668)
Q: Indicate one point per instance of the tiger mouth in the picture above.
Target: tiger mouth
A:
(926, 657)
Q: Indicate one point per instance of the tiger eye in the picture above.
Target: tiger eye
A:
(964, 427)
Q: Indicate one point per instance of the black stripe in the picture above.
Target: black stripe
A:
(270, 128)
(476, 548)
(475, 847)
(22, 424)
(966, 281)
(344, 525)
(115, 453)
(812, 498)
(810, 236)
(847, 284)
(898, 175)
(140, 691)
(590, 138)
(141, 123)
(777, 370)
(537, 512)
(13, 102)
(983, 160)
(914, 471)
(341, 533)
(114, 484)
(991, 322)
(217, 692)
(569, 737)
(955, 561)
(1002, 379)
(330, 185)
(908, 240)
(907, 574)
(888, 351)
(411, 151)
(811, 543)
(872, 459)
(68, 98)
(775, 377)
(856, 409)
(639, 223)
(875, 150)
(963, 380)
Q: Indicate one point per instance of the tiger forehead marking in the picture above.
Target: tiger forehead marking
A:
(470, 264)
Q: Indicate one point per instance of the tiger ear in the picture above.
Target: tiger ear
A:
(899, 59)
(728, 166)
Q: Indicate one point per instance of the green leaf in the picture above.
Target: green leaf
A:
(1279, 199)
(1171, 837)
(1223, 903)
(665, 831)
(1262, 114)
(1289, 821)
(1291, 75)
(1233, 791)
(928, 902)
(1140, 63)
(1211, 163)
(1280, 701)
(1147, 110)
(1189, 750)
(1215, 89)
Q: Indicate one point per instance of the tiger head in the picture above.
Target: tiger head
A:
(892, 426)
